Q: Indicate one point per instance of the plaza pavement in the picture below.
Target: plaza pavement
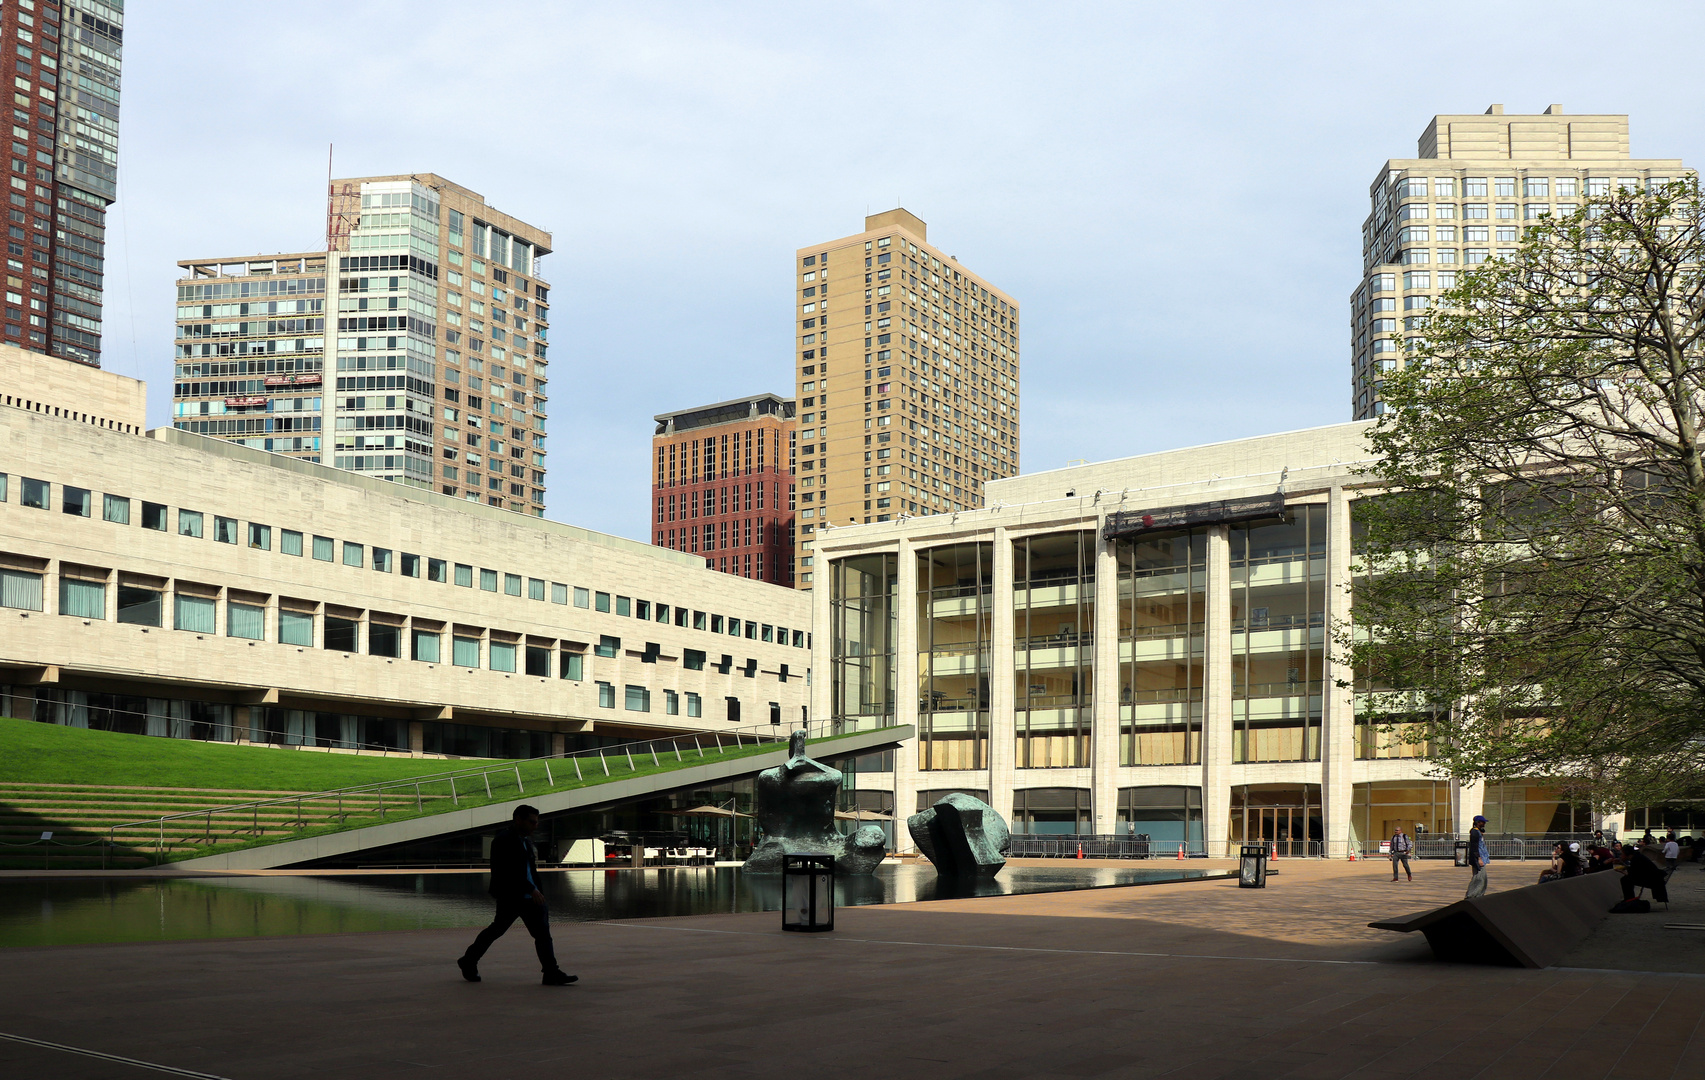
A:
(1191, 981)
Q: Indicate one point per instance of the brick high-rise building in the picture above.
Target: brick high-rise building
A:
(62, 62)
(918, 404)
(723, 486)
(1463, 199)
(413, 350)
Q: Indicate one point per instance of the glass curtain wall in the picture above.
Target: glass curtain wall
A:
(955, 621)
(1278, 636)
(1422, 807)
(1163, 586)
(1287, 816)
(1051, 811)
(1531, 808)
(1053, 648)
(861, 649)
(1169, 816)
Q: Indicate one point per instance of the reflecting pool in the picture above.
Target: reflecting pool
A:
(79, 911)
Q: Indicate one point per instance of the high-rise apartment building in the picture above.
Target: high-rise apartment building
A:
(413, 349)
(1463, 199)
(907, 380)
(724, 485)
(62, 62)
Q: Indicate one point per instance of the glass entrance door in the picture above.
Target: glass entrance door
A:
(1286, 817)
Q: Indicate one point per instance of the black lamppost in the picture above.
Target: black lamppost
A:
(808, 893)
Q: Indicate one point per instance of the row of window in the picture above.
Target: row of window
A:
(141, 605)
(80, 502)
(1532, 187)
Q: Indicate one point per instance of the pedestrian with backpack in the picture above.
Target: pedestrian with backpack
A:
(1401, 847)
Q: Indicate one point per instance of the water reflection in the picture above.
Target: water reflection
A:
(64, 912)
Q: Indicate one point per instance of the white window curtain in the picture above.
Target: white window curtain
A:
(295, 628)
(159, 712)
(245, 621)
(82, 599)
(19, 589)
(195, 613)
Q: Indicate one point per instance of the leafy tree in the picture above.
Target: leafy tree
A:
(1537, 601)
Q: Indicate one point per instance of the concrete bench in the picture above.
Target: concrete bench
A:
(1528, 927)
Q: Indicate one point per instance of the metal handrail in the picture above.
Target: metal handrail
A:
(759, 734)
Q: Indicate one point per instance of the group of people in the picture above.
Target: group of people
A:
(1568, 859)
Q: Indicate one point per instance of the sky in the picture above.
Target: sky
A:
(1173, 192)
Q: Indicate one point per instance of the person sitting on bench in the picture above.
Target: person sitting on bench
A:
(1643, 873)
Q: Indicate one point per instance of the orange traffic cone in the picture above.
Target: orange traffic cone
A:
(1180, 851)
(1275, 856)
(1352, 854)
(1080, 851)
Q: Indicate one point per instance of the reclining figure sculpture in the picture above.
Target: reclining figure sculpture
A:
(796, 811)
(963, 836)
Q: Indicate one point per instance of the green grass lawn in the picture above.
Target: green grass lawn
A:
(50, 754)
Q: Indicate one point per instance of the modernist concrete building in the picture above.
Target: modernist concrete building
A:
(61, 61)
(923, 376)
(175, 584)
(1463, 199)
(436, 341)
(1139, 646)
(724, 485)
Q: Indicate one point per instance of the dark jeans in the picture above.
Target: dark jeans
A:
(538, 922)
(1403, 858)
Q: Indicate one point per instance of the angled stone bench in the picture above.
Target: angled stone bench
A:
(1532, 926)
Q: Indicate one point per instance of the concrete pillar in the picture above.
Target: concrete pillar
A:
(1003, 729)
(416, 737)
(1104, 741)
(559, 744)
(1216, 696)
(1338, 724)
(1470, 799)
(821, 672)
(907, 680)
(240, 724)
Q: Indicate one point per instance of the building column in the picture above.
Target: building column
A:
(240, 724)
(1003, 726)
(821, 672)
(559, 744)
(1338, 722)
(1216, 696)
(416, 737)
(906, 683)
(1104, 738)
(1470, 799)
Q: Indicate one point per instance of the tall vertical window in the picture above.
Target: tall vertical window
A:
(1278, 628)
(1162, 599)
(861, 653)
(955, 623)
(1053, 648)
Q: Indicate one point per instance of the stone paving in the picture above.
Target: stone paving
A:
(1191, 981)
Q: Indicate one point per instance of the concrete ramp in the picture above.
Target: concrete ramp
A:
(1533, 926)
(349, 841)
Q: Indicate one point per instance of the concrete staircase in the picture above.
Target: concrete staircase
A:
(81, 815)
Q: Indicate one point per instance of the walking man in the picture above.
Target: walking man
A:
(1672, 855)
(1401, 846)
(515, 887)
(1478, 856)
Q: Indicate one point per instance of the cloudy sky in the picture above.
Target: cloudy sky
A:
(1174, 192)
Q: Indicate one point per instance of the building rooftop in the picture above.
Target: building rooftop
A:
(731, 411)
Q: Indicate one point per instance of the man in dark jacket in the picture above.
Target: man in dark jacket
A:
(1644, 873)
(1478, 856)
(515, 887)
